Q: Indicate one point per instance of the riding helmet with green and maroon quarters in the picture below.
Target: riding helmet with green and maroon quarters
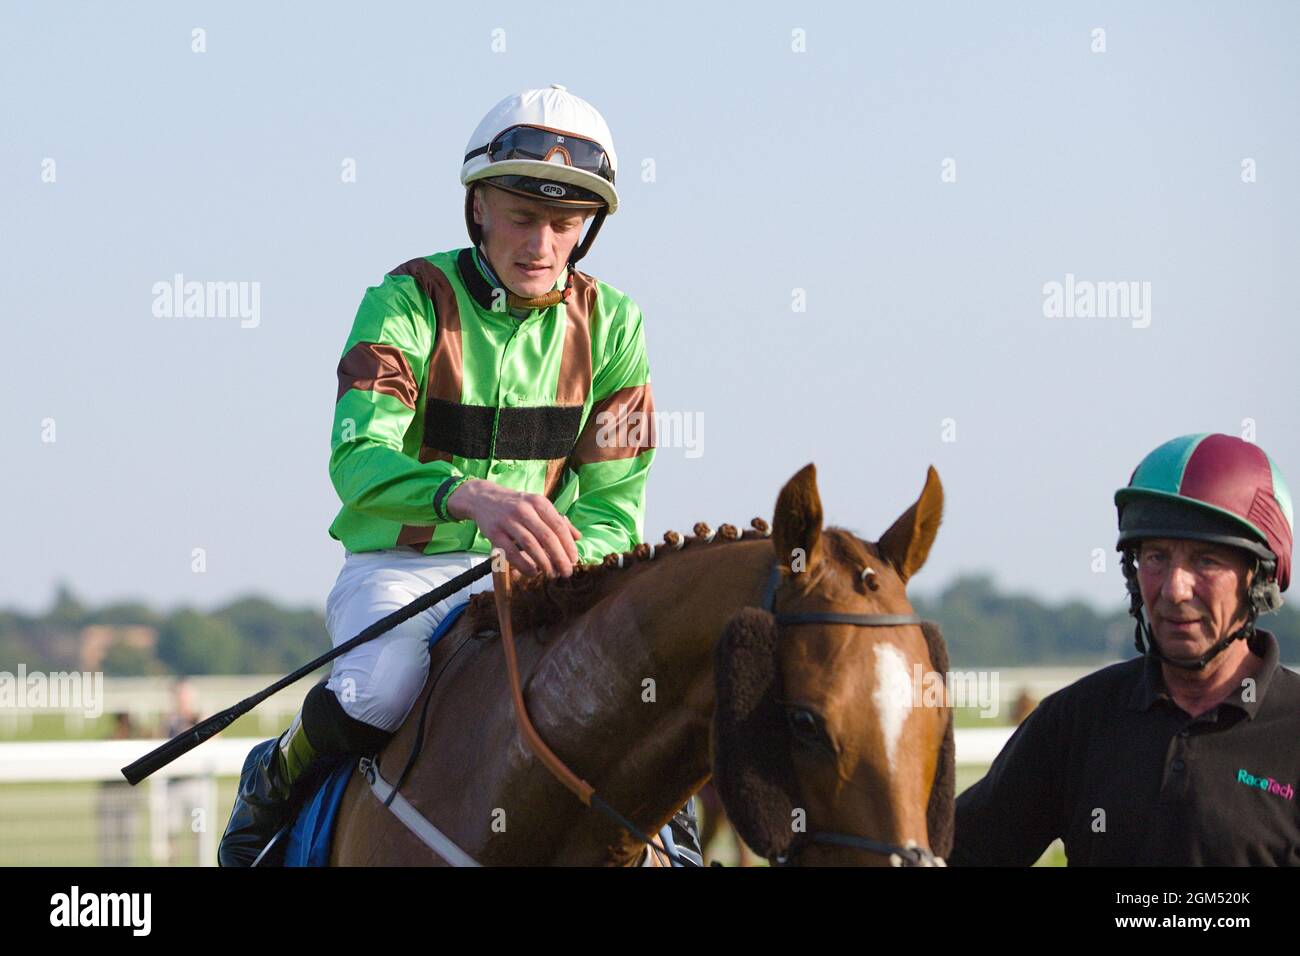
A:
(1210, 487)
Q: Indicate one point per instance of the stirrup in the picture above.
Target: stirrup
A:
(273, 853)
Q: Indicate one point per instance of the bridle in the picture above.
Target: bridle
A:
(909, 854)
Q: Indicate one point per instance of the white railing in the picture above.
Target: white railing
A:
(64, 760)
(183, 794)
(977, 746)
(103, 760)
(184, 790)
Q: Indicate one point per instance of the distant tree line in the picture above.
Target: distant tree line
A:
(252, 635)
(984, 627)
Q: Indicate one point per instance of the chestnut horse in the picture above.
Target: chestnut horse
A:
(657, 669)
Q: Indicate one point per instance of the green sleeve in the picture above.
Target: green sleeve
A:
(374, 463)
(616, 447)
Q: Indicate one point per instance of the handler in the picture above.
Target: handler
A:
(1187, 755)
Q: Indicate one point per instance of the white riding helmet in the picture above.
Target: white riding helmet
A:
(565, 133)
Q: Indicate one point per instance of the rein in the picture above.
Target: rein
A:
(575, 784)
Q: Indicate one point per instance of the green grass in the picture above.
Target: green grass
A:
(68, 824)
(46, 726)
(91, 824)
(60, 824)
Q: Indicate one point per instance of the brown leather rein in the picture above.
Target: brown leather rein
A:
(575, 784)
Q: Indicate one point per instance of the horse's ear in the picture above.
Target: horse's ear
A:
(906, 544)
(797, 523)
(752, 769)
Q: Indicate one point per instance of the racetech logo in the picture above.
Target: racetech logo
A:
(1266, 783)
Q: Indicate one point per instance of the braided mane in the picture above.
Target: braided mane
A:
(541, 600)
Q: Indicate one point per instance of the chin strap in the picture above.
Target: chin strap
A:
(597, 221)
(544, 301)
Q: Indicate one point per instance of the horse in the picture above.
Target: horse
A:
(661, 667)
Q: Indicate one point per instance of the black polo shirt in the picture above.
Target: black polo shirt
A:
(1125, 777)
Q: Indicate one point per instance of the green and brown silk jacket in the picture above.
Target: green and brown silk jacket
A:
(438, 383)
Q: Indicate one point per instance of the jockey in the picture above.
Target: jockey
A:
(475, 393)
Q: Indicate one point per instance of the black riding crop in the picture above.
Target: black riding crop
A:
(186, 741)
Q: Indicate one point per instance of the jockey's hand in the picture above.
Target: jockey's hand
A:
(534, 536)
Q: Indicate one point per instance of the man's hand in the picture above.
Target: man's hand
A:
(534, 536)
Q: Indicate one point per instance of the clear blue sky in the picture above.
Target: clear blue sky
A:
(775, 170)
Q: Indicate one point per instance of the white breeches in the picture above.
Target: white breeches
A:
(379, 681)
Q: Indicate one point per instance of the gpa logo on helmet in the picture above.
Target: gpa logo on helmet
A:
(553, 190)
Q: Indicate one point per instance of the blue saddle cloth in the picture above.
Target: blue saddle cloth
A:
(308, 840)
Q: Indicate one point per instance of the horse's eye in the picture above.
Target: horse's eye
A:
(806, 727)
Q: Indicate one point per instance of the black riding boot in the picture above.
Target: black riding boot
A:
(279, 772)
(267, 794)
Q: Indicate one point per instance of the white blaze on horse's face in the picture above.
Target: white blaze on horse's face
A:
(893, 696)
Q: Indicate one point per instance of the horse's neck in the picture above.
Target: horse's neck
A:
(622, 693)
(626, 693)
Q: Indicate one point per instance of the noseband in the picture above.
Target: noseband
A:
(906, 855)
